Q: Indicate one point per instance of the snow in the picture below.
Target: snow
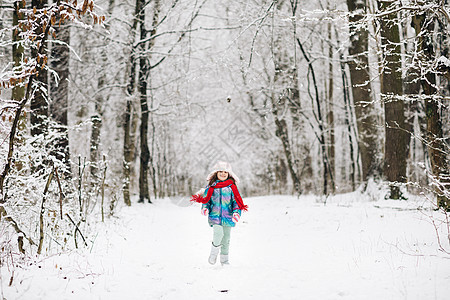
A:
(444, 60)
(283, 248)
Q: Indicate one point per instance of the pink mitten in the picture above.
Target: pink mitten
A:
(236, 217)
(205, 211)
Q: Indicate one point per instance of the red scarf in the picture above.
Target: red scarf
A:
(219, 185)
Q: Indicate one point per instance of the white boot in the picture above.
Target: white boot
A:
(224, 259)
(213, 255)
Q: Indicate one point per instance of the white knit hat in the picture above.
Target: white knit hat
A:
(222, 166)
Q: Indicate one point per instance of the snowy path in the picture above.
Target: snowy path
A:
(283, 248)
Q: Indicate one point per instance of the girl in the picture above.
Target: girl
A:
(222, 204)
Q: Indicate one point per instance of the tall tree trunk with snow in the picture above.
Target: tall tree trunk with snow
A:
(18, 92)
(283, 81)
(300, 151)
(59, 95)
(152, 159)
(424, 28)
(391, 90)
(39, 104)
(143, 78)
(128, 141)
(143, 132)
(282, 133)
(153, 173)
(320, 120)
(347, 117)
(97, 118)
(361, 89)
(330, 110)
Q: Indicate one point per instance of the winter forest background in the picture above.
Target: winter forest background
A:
(109, 103)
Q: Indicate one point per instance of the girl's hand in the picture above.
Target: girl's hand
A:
(205, 211)
(236, 217)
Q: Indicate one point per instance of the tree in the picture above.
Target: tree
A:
(18, 91)
(144, 72)
(59, 95)
(19, 199)
(284, 81)
(128, 143)
(331, 140)
(140, 67)
(361, 88)
(391, 90)
(39, 103)
(101, 99)
(424, 24)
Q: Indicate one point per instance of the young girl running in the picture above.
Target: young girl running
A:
(223, 205)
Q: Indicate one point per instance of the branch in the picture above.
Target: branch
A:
(310, 69)
(183, 32)
(77, 229)
(14, 224)
(61, 194)
(41, 214)
(431, 7)
(181, 36)
(257, 31)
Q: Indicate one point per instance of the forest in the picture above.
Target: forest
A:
(108, 103)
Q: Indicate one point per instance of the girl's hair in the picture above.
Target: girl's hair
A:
(214, 178)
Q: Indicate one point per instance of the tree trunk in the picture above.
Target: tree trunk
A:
(144, 71)
(348, 123)
(18, 92)
(96, 119)
(318, 116)
(282, 133)
(128, 141)
(330, 111)
(153, 172)
(278, 102)
(127, 157)
(416, 139)
(391, 88)
(155, 138)
(59, 95)
(143, 132)
(361, 89)
(39, 105)
(435, 141)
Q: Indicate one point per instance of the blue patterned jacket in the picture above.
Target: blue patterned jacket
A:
(221, 207)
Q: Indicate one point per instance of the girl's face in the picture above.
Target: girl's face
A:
(222, 175)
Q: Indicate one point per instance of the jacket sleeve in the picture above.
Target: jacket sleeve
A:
(234, 204)
(206, 205)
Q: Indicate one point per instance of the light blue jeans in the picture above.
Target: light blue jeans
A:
(221, 236)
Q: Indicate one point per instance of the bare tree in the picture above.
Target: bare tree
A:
(99, 106)
(330, 107)
(358, 63)
(128, 143)
(39, 103)
(18, 91)
(18, 205)
(424, 25)
(59, 95)
(286, 88)
(391, 90)
(143, 77)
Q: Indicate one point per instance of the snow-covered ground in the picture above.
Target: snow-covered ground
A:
(283, 248)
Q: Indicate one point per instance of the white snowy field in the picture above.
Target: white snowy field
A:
(283, 248)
